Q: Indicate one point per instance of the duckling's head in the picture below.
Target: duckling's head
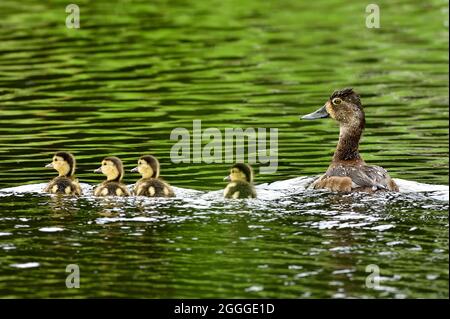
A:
(64, 163)
(240, 172)
(112, 167)
(344, 106)
(148, 167)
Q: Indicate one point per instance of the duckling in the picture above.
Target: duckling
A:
(150, 184)
(113, 169)
(241, 182)
(348, 172)
(65, 183)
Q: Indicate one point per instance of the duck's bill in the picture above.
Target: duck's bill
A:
(319, 114)
(228, 178)
(98, 170)
(49, 165)
(134, 170)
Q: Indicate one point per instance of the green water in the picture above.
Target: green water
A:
(136, 70)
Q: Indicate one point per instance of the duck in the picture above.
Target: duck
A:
(348, 172)
(240, 182)
(150, 184)
(112, 167)
(65, 183)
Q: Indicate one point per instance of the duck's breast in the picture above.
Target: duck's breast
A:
(63, 185)
(111, 189)
(153, 187)
(239, 189)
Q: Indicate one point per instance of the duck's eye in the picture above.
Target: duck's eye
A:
(55, 159)
(337, 101)
(104, 164)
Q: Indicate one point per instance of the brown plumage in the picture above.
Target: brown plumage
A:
(241, 182)
(151, 185)
(66, 183)
(348, 172)
(113, 169)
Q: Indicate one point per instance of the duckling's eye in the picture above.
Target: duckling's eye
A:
(337, 101)
(55, 159)
(104, 164)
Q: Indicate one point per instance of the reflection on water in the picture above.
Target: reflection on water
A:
(292, 242)
(135, 71)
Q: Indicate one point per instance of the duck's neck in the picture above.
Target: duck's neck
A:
(147, 175)
(347, 148)
(65, 173)
(113, 178)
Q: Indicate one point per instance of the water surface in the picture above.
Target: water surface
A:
(136, 70)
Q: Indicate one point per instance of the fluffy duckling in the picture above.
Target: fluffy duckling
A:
(150, 184)
(113, 169)
(348, 172)
(66, 183)
(241, 182)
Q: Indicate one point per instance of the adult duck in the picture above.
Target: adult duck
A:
(348, 172)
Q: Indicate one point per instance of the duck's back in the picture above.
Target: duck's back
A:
(239, 189)
(63, 185)
(153, 187)
(111, 188)
(361, 177)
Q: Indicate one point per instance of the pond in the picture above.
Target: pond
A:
(135, 71)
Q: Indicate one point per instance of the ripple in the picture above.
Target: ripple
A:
(51, 229)
(383, 227)
(122, 219)
(254, 288)
(26, 265)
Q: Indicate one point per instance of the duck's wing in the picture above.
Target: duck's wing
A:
(154, 187)
(77, 186)
(365, 176)
(125, 190)
(239, 190)
(371, 176)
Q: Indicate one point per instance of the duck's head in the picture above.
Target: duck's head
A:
(240, 172)
(148, 167)
(112, 167)
(344, 106)
(64, 163)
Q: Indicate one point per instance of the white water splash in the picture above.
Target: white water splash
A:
(26, 265)
(51, 229)
(106, 220)
(268, 191)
